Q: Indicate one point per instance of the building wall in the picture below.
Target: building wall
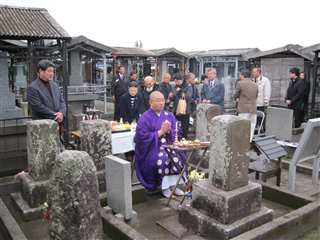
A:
(277, 70)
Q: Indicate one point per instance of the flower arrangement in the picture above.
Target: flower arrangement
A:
(45, 211)
(195, 176)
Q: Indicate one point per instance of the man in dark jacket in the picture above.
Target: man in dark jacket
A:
(119, 87)
(166, 89)
(44, 95)
(213, 89)
(192, 91)
(131, 104)
(295, 96)
(149, 86)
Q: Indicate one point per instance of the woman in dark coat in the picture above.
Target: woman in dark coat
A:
(181, 92)
(131, 104)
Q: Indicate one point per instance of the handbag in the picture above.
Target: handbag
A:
(182, 106)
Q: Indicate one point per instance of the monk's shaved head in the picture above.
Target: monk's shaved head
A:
(156, 94)
(157, 101)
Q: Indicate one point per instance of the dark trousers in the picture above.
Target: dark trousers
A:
(116, 116)
(262, 109)
(184, 119)
(298, 115)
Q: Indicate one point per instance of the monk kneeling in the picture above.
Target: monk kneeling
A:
(155, 128)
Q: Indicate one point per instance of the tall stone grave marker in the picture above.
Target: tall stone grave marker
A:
(96, 141)
(8, 107)
(205, 112)
(227, 204)
(119, 190)
(43, 146)
(279, 123)
(74, 198)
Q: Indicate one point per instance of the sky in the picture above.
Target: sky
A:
(187, 25)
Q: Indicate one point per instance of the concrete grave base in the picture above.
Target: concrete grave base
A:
(138, 195)
(34, 192)
(26, 212)
(208, 227)
(226, 206)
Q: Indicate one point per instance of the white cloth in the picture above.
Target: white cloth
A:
(123, 142)
(168, 181)
(264, 91)
(253, 120)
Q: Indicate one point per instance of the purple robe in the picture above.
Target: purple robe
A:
(151, 160)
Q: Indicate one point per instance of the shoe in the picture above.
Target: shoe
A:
(179, 192)
(166, 192)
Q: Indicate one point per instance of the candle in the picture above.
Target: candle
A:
(176, 137)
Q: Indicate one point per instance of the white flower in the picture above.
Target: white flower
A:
(175, 169)
(175, 159)
(160, 154)
(166, 171)
(166, 162)
(159, 170)
(163, 140)
(159, 162)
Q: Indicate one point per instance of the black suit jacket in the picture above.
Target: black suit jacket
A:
(119, 87)
(296, 93)
(43, 105)
(127, 113)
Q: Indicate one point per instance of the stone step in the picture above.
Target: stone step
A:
(209, 228)
(138, 195)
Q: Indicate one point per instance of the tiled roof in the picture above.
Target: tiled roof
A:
(290, 48)
(163, 51)
(29, 23)
(132, 51)
(224, 52)
(86, 42)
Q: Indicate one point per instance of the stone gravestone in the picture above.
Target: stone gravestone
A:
(227, 204)
(74, 199)
(205, 112)
(8, 107)
(307, 150)
(279, 123)
(76, 77)
(43, 145)
(119, 190)
(96, 141)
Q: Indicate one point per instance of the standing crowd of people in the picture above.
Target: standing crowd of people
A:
(181, 97)
(253, 93)
(160, 106)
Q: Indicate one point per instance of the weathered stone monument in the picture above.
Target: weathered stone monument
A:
(227, 204)
(119, 188)
(43, 146)
(96, 141)
(8, 107)
(279, 123)
(74, 199)
(307, 150)
(205, 112)
(76, 76)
